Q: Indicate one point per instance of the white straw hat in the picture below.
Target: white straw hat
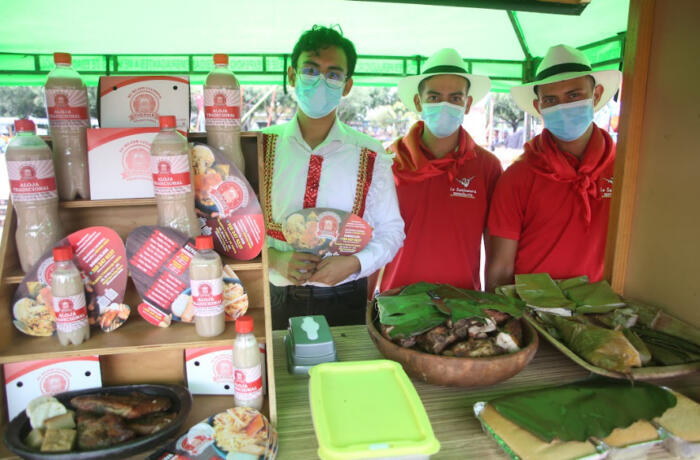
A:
(447, 61)
(561, 63)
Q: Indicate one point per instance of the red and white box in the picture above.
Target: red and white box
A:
(138, 101)
(119, 162)
(210, 370)
(29, 379)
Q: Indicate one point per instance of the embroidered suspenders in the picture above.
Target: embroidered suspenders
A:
(364, 180)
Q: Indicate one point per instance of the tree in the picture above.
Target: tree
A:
(506, 110)
(28, 101)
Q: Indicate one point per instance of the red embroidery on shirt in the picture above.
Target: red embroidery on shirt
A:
(313, 179)
(364, 180)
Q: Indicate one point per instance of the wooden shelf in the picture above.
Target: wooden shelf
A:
(15, 274)
(135, 336)
(107, 203)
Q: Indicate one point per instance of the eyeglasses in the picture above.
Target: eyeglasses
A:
(333, 78)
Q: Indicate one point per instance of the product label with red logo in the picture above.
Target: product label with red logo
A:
(32, 180)
(71, 313)
(222, 107)
(67, 107)
(171, 174)
(247, 382)
(207, 297)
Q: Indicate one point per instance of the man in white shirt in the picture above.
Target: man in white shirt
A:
(317, 161)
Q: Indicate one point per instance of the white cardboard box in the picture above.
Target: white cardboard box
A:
(119, 162)
(210, 370)
(138, 101)
(29, 379)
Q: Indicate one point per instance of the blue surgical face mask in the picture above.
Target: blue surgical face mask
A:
(569, 121)
(315, 97)
(442, 118)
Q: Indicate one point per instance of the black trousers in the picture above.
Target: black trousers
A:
(343, 304)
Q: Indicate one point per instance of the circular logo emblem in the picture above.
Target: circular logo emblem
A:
(54, 381)
(143, 103)
(27, 173)
(219, 99)
(136, 161)
(230, 196)
(163, 167)
(61, 100)
(223, 369)
(328, 225)
(204, 289)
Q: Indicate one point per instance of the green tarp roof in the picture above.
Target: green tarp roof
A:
(158, 36)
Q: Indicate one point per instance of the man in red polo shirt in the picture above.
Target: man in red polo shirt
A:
(550, 210)
(444, 180)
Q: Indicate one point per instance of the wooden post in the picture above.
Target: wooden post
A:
(634, 84)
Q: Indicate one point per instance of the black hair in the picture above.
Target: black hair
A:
(590, 78)
(421, 85)
(321, 37)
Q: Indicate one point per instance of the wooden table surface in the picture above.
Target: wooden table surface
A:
(449, 409)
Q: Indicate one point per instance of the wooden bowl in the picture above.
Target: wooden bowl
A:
(451, 370)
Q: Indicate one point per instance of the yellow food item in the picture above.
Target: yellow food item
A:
(34, 439)
(43, 408)
(62, 421)
(58, 440)
(527, 446)
(640, 431)
(683, 420)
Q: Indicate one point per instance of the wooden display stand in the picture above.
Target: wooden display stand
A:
(138, 352)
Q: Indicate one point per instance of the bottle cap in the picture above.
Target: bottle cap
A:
(244, 325)
(62, 253)
(204, 242)
(62, 58)
(24, 125)
(167, 121)
(221, 58)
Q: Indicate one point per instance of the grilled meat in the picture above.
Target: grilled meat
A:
(100, 431)
(130, 406)
(498, 316)
(515, 329)
(407, 342)
(436, 339)
(151, 423)
(476, 348)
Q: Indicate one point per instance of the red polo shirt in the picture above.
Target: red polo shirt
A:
(444, 204)
(547, 217)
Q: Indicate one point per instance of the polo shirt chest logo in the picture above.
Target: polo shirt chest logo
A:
(606, 187)
(462, 187)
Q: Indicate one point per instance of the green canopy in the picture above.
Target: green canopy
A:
(178, 37)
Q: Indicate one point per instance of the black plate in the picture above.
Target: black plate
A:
(181, 399)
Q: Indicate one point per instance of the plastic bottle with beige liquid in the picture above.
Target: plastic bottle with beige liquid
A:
(33, 191)
(68, 294)
(247, 366)
(222, 111)
(69, 119)
(207, 289)
(172, 179)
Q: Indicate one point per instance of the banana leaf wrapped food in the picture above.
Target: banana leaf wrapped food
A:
(443, 319)
(606, 348)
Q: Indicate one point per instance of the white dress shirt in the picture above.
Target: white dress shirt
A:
(341, 160)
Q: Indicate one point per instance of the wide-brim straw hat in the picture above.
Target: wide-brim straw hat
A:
(447, 61)
(561, 63)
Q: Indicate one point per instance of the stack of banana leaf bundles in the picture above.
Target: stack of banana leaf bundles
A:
(444, 320)
(611, 334)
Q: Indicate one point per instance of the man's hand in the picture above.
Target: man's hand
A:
(500, 262)
(332, 270)
(297, 267)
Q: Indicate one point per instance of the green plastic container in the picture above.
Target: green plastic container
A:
(368, 409)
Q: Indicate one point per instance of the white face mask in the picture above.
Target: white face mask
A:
(442, 118)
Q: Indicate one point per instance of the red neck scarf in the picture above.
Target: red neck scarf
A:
(545, 158)
(414, 162)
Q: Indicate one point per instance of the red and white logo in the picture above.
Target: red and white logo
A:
(463, 188)
(204, 289)
(606, 187)
(222, 107)
(136, 161)
(230, 195)
(27, 173)
(144, 103)
(67, 107)
(222, 365)
(247, 383)
(197, 439)
(65, 305)
(207, 297)
(328, 226)
(54, 381)
(32, 180)
(171, 175)
(163, 167)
